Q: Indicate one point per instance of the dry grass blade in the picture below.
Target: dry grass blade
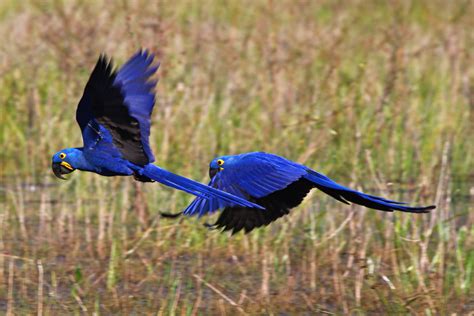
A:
(221, 294)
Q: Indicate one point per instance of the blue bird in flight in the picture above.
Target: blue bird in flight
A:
(114, 116)
(278, 185)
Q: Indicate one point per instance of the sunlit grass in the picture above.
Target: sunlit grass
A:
(376, 95)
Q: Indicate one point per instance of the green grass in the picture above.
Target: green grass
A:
(377, 95)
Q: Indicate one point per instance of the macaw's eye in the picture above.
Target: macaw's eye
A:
(220, 162)
(62, 155)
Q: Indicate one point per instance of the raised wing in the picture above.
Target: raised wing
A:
(122, 102)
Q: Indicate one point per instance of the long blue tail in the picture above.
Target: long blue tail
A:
(345, 195)
(190, 186)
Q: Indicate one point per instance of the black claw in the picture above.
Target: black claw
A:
(210, 226)
(142, 178)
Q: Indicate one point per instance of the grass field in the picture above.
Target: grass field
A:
(377, 95)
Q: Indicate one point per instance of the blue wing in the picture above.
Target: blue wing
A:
(251, 176)
(280, 184)
(114, 111)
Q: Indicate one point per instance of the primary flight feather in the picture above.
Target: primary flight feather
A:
(278, 185)
(114, 115)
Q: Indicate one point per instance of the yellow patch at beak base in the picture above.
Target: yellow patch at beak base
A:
(66, 165)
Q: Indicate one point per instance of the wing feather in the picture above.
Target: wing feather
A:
(122, 102)
(253, 175)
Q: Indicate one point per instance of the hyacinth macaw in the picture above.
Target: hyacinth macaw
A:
(277, 184)
(114, 117)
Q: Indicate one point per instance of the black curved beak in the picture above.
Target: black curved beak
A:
(212, 172)
(61, 168)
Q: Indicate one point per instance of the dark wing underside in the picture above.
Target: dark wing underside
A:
(122, 103)
(276, 204)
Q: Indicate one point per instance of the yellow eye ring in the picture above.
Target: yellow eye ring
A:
(220, 162)
(62, 155)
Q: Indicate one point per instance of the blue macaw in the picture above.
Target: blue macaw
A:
(114, 117)
(277, 184)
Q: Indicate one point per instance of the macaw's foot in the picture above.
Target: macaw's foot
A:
(210, 226)
(142, 178)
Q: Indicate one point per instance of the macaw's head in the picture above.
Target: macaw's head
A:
(65, 161)
(217, 165)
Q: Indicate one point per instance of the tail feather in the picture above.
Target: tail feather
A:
(190, 186)
(347, 195)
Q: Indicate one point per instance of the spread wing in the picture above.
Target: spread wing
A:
(276, 204)
(122, 102)
(252, 176)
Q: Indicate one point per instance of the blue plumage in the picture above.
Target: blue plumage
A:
(277, 184)
(114, 115)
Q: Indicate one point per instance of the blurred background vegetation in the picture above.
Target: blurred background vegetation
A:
(378, 95)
